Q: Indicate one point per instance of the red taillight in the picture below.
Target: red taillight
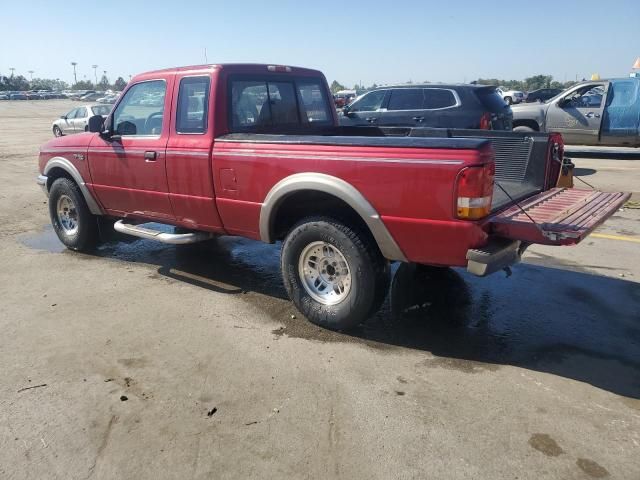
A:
(557, 146)
(485, 121)
(474, 191)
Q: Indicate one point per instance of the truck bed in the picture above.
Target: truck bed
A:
(520, 157)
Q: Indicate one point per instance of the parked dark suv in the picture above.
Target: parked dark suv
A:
(432, 105)
(542, 95)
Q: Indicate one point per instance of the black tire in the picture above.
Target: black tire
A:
(56, 131)
(369, 272)
(509, 100)
(523, 128)
(85, 235)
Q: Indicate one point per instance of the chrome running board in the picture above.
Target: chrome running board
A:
(171, 238)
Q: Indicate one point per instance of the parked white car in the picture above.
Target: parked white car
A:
(511, 96)
(77, 120)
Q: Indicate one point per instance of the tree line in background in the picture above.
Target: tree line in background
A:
(527, 85)
(20, 83)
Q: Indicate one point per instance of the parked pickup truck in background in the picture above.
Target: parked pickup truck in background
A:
(605, 112)
(256, 151)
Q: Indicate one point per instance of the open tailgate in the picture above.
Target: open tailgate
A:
(562, 216)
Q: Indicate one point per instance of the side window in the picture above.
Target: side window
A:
(589, 96)
(370, 102)
(81, 112)
(141, 110)
(313, 101)
(437, 98)
(405, 99)
(193, 105)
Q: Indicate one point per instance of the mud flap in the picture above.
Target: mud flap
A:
(559, 216)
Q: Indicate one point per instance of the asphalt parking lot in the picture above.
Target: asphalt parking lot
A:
(145, 360)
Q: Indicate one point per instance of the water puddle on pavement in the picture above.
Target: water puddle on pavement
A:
(46, 240)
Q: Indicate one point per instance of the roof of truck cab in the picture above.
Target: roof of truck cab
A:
(240, 67)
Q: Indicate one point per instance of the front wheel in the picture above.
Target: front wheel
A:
(335, 275)
(72, 221)
(57, 132)
(509, 100)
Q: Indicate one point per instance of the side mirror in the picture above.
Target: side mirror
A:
(63, 117)
(95, 123)
(346, 111)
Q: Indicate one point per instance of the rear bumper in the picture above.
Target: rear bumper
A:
(498, 254)
(42, 181)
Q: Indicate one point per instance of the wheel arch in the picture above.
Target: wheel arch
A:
(293, 187)
(527, 123)
(57, 167)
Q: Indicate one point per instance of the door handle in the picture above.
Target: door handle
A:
(371, 119)
(418, 119)
(150, 156)
(592, 115)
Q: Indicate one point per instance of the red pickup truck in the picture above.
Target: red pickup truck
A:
(256, 151)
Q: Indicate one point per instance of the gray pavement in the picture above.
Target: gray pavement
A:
(150, 361)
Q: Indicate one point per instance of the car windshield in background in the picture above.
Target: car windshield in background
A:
(101, 110)
(257, 104)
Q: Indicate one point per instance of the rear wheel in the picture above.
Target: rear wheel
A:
(509, 100)
(56, 131)
(72, 221)
(523, 128)
(335, 275)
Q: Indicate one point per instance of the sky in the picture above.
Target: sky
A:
(352, 42)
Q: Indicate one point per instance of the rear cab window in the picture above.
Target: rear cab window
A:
(268, 103)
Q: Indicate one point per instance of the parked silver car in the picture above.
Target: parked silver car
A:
(76, 121)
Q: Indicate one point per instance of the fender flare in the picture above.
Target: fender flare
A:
(67, 166)
(339, 189)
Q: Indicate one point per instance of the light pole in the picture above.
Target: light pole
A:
(30, 72)
(75, 78)
(95, 73)
(12, 70)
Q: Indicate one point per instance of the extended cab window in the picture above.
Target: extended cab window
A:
(193, 103)
(258, 104)
(141, 110)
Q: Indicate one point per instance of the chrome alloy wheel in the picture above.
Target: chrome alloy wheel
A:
(324, 273)
(67, 215)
